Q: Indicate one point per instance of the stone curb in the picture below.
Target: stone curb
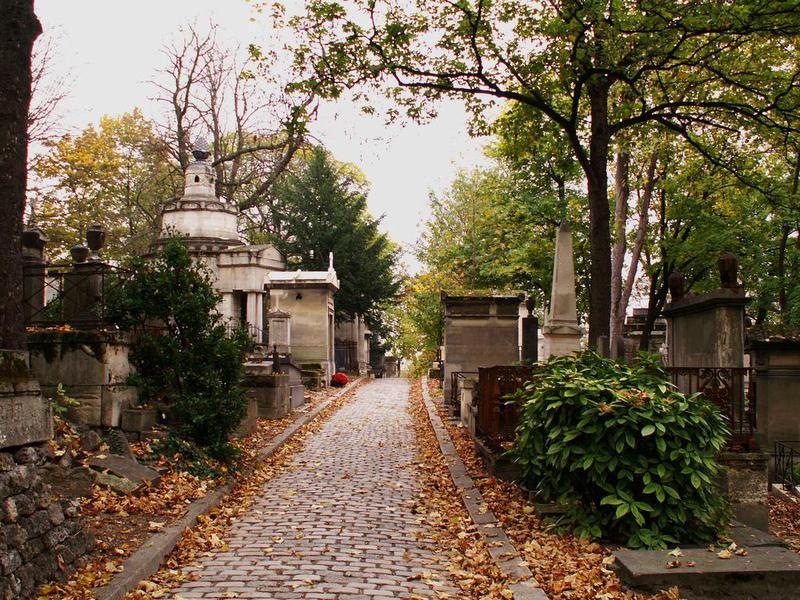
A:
(143, 563)
(504, 555)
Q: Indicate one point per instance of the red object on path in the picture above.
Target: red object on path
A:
(339, 380)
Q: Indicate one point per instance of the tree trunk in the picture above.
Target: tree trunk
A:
(641, 232)
(785, 231)
(599, 214)
(19, 27)
(622, 194)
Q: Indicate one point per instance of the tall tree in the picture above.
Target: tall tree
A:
(116, 174)
(594, 68)
(256, 128)
(19, 28)
(323, 210)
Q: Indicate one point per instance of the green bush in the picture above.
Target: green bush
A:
(185, 362)
(630, 458)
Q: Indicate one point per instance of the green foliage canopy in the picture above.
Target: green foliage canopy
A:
(323, 209)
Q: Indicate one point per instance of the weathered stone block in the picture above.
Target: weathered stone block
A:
(7, 462)
(15, 535)
(24, 504)
(38, 524)
(90, 441)
(55, 536)
(250, 421)
(31, 549)
(55, 514)
(746, 483)
(26, 456)
(25, 415)
(138, 419)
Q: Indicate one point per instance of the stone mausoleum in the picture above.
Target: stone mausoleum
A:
(252, 279)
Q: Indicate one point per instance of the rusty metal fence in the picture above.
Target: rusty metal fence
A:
(731, 389)
(497, 418)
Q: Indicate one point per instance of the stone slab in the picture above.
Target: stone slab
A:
(125, 468)
(766, 572)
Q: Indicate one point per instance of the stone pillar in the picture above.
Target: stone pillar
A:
(25, 415)
(561, 332)
(530, 335)
(253, 308)
(34, 269)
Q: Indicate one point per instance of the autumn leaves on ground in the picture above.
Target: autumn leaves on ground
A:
(564, 566)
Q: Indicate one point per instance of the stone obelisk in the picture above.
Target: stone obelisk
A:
(561, 332)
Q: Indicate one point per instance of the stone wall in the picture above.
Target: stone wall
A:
(41, 538)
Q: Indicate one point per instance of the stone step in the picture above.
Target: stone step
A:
(769, 570)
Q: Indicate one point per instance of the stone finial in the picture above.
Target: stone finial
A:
(79, 254)
(200, 149)
(677, 285)
(95, 238)
(330, 261)
(728, 270)
(530, 305)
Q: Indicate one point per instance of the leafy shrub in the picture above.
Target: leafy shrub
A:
(629, 457)
(184, 360)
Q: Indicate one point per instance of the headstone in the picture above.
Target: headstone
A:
(562, 334)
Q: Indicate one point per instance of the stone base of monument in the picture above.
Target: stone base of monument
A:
(746, 482)
(249, 423)
(25, 415)
(91, 366)
(313, 376)
(297, 396)
(768, 570)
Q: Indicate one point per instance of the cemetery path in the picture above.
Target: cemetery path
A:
(339, 522)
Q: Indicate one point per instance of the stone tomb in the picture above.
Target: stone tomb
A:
(308, 297)
(479, 331)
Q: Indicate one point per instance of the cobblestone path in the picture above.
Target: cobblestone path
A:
(339, 522)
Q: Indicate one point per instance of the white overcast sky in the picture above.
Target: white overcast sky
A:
(112, 48)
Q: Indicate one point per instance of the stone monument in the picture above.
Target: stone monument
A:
(561, 332)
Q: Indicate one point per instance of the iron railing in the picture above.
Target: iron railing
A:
(77, 295)
(497, 417)
(787, 455)
(454, 377)
(732, 389)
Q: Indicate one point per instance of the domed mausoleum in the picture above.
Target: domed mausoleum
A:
(251, 279)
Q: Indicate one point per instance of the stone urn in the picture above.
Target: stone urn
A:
(79, 254)
(95, 238)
